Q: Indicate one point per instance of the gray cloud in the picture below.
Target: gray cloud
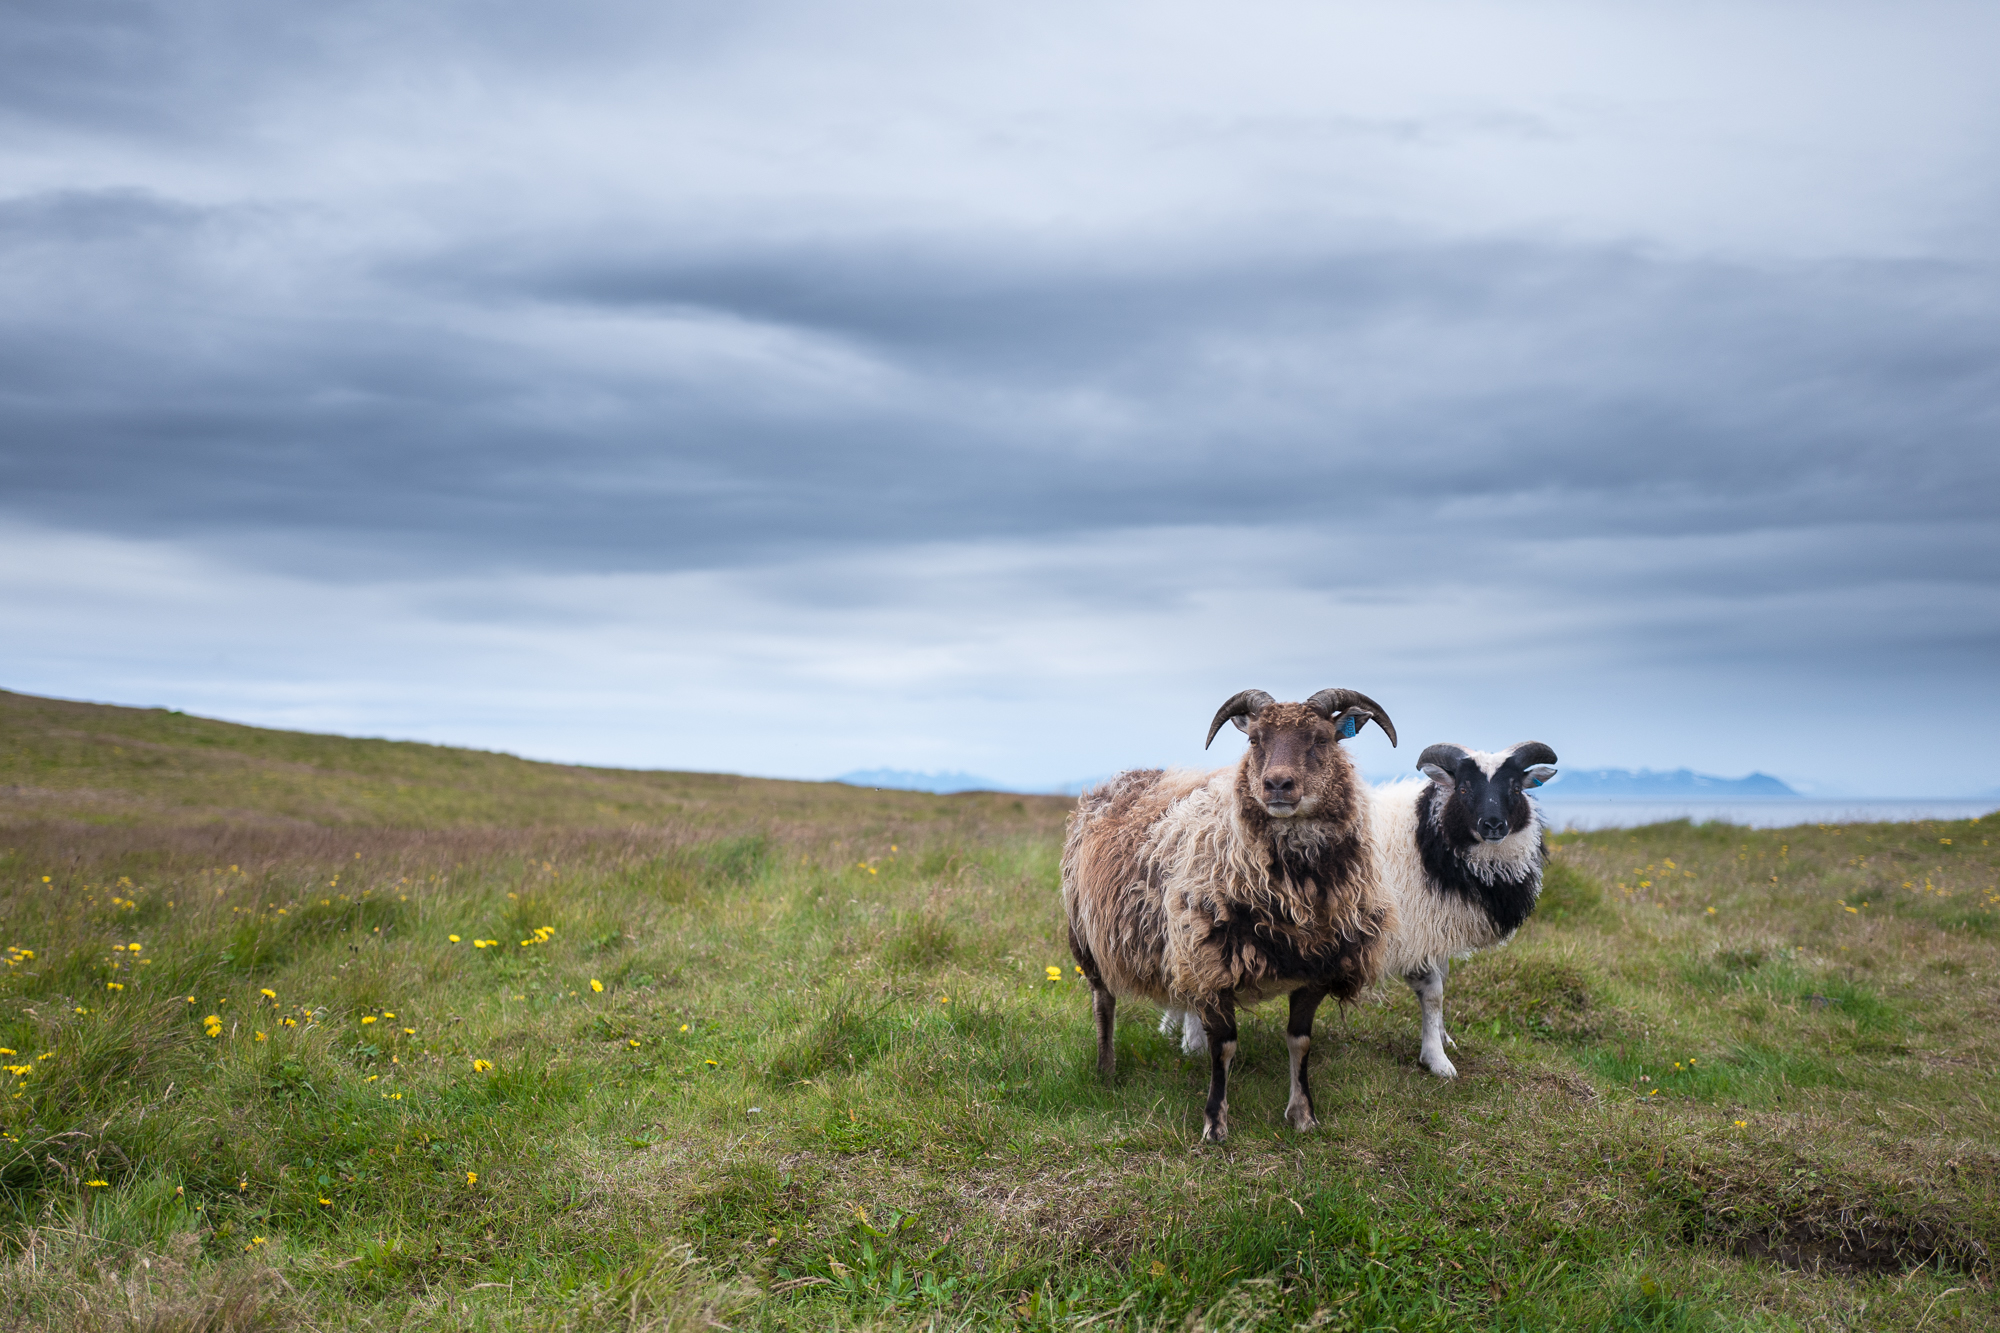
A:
(479, 307)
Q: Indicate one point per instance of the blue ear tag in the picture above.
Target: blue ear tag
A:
(1532, 781)
(1348, 728)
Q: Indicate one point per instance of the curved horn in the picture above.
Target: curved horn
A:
(1329, 703)
(1446, 757)
(1247, 704)
(1531, 752)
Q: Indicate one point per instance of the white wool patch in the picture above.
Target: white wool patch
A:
(1433, 926)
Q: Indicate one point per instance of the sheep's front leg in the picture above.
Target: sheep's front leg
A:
(1188, 1024)
(1218, 1022)
(1429, 988)
(1299, 1040)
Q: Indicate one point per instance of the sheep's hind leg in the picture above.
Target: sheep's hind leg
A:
(1429, 988)
(1105, 1006)
(1299, 1040)
(1219, 1023)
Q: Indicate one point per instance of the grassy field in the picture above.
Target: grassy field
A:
(310, 1032)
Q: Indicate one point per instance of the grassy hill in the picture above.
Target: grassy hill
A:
(303, 1031)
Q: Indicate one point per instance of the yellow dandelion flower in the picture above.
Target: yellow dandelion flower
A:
(481, 1066)
(113, 985)
(371, 1078)
(291, 1022)
(81, 1010)
(1740, 1124)
(944, 999)
(596, 986)
(326, 1203)
(8, 1051)
(684, 1027)
(452, 938)
(214, 1024)
(268, 993)
(262, 1037)
(190, 999)
(716, 1064)
(479, 944)
(632, 1041)
(409, 1032)
(133, 947)
(472, 1177)
(387, 1014)
(368, 1018)
(1055, 973)
(97, 1184)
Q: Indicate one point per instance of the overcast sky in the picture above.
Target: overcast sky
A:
(791, 388)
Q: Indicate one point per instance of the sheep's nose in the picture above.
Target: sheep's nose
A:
(1281, 786)
(1492, 828)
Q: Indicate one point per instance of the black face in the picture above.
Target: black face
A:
(1492, 807)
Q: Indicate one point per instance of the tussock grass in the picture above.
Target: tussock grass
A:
(773, 1055)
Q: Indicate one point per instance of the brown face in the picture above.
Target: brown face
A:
(1294, 756)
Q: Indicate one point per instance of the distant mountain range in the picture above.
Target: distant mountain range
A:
(1574, 783)
(904, 780)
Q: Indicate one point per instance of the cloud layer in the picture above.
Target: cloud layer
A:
(996, 387)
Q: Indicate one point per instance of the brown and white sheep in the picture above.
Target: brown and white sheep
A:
(1205, 890)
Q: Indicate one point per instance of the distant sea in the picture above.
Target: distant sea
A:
(1752, 812)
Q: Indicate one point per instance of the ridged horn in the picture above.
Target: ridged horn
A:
(1331, 703)
(1446, 757)
(1531, 752)
(1247, 704)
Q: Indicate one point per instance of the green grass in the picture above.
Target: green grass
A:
(826, 1082)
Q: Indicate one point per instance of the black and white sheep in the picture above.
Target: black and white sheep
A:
(1460, 851)
(1205, 890)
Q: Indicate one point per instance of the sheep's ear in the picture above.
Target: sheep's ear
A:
(1440, 777)
(1347, 724)
(1537, 775)
(1242, 721)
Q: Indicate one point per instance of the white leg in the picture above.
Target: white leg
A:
(1194, 1038)
(1429, 988)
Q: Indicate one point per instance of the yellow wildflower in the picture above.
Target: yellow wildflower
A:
(452, 938)
(368, 1018)
(268, 993)
(632, 1041)
(326, 1203)
(113, 985)
(409, 1032)
(596, 986)
(472, 1177)
(481, 1066)
(4, 1050)
(262, 1037)
(97, 1184)
(214, 1024)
